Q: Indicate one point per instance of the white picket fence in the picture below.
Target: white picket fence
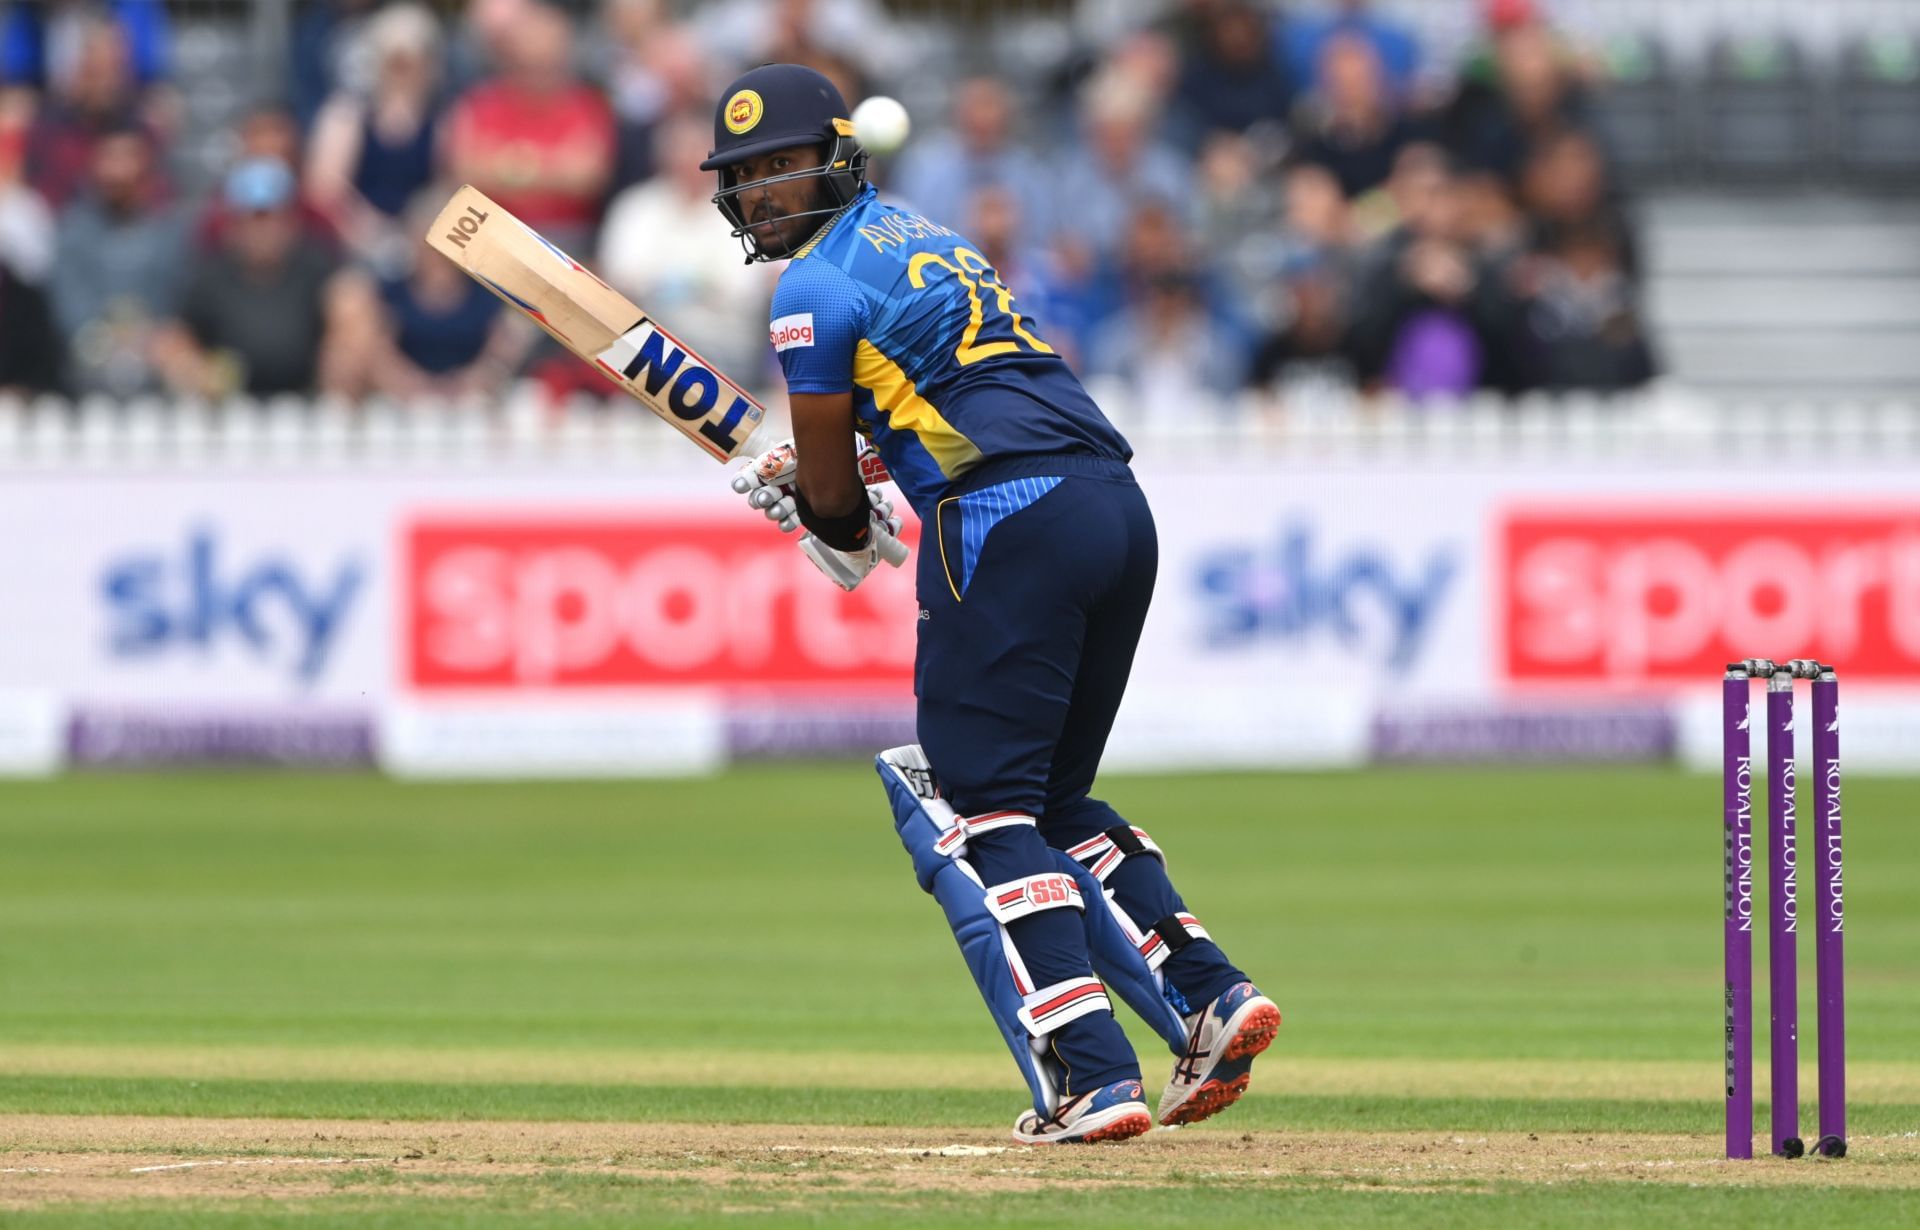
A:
(299, 433)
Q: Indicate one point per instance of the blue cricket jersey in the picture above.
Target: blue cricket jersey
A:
(944, 370)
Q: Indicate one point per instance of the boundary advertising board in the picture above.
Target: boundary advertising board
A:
(567, 619)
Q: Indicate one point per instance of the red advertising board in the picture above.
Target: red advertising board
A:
(646, 599)
(1667, 594)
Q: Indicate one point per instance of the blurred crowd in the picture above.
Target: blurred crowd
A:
(1224, 195)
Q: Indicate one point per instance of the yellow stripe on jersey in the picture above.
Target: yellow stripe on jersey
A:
(895, 397)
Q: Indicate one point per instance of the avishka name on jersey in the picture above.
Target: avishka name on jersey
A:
(897, 229)
(909, 318)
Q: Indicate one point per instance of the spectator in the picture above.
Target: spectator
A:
(993, 221)
(855, 33)
(1428, 320)
(29, 346)
(1234, 79)
(1144, 58)
(1179, 365)
(26, 223)
(39, 40)
(1357, 127)
(1235, 189)
(1119, 168)
(1563, 185)
(1157, 246)
(253, 317)
(695, 280)
(1578, 324)
(1238, 190)
(121, 263)
(17, 105)
(1167, 321)
(432, 331)
(814, 33)
(1309, 270)
(1306, 35)
(536, 139)
(268, 132)
(938, 172)
(1524, 94)
(1579, 327)
(98, 94)
(482, 41)
(27, 233)
(656, 70)
(1319, 222)
(323, 54)
(372, 153)
(1494, 225)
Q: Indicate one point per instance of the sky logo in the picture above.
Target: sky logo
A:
(1287, 592)
(156, 600)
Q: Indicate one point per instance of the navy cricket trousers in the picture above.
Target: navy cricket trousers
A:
(1034, 582)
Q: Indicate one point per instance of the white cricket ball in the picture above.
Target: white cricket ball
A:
(881, 125)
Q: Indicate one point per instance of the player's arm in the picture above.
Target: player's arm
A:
(815, 480)
(829, 477)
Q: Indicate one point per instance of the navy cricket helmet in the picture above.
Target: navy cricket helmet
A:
(779, 106)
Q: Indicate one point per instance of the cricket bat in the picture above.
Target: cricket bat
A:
(599, 324)
(603, 326)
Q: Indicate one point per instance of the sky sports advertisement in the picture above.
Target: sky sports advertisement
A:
(582, 622)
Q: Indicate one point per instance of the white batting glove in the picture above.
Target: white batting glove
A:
(844, 568)
(768, 483)
(848, 568)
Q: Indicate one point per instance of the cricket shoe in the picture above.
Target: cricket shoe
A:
(1222, 1041)
(1111, 1112)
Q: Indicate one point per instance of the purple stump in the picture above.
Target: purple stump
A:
(1783, 909)
(1829, 916)
(1736, 796)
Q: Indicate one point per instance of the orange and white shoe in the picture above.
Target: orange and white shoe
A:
(1111, 1112)
(1222, 1040)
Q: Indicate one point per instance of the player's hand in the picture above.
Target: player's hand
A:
(767, 482)
(848, 568)
(873, 472)
(844, 568)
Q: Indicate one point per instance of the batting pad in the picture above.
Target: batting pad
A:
(935, 838)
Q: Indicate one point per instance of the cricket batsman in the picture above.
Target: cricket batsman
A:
(1037, 561)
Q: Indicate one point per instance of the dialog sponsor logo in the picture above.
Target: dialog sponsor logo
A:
(1371, 602)
(1673, 595)
(791, 332)
(201, 595)
(585, 603)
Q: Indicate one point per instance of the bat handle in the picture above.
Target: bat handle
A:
(892, 549)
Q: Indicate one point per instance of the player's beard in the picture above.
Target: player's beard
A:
(784, 241)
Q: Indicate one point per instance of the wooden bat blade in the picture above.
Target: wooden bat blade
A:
(598, 323)
(517, 263)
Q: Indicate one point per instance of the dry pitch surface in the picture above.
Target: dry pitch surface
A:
(53, 1159)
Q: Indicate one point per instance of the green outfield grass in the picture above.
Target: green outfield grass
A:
(609, 1207)
(1513, 951)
